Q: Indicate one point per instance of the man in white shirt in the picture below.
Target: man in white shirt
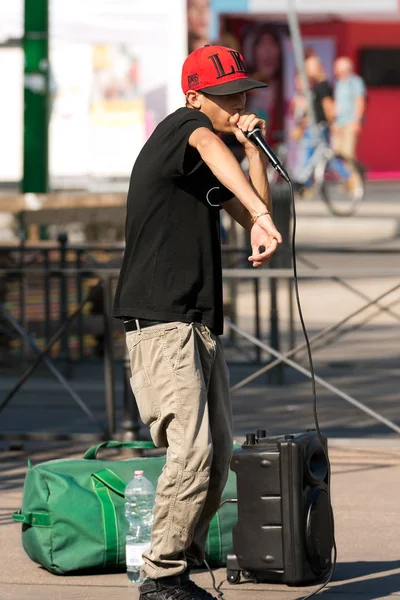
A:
(349, 97)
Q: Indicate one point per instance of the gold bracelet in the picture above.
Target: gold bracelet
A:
(254, 219)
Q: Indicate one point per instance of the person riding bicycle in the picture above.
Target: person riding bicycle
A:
(324, 111)
(339, 180)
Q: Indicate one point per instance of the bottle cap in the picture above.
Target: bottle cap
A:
(139, 473)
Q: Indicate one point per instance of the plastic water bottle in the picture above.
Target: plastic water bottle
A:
(139, 502)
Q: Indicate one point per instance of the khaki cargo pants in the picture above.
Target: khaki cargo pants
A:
(181, 385)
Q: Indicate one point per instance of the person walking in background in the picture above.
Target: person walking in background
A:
(169, 295)
(324, 106)
(349, 96)
(324, 111)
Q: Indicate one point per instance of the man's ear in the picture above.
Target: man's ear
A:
(193, 99)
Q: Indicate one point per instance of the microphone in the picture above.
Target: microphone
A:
(258, 140)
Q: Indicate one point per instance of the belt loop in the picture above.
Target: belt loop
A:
(138, 325)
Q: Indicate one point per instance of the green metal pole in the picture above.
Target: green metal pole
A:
(36, 97)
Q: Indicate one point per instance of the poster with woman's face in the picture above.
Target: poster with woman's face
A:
(263, 53)
(261, 44)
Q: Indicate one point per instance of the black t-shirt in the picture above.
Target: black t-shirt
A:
(171, 269)
(322, 90)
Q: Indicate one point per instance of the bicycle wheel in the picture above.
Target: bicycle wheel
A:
(342, 185)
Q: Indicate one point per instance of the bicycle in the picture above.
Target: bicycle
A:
(338, 180)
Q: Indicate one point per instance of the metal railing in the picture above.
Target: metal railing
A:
(41, 265)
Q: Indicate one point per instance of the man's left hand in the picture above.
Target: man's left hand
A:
(263, 234)
(241, 124)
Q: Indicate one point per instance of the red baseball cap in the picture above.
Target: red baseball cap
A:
(217, 70)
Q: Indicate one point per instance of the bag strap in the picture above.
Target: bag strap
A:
(32, 518)
(104, 481)
(111, 480)
(214, 539)
(91, 454)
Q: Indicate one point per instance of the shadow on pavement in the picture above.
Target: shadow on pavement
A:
(370, 588)
(351, 570)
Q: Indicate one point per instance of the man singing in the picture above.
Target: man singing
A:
(169, 295)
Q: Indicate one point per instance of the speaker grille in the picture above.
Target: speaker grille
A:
(319, 531)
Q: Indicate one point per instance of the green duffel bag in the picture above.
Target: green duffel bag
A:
(73, 512)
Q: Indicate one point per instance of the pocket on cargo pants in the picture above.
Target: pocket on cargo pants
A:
(141, 388)
(154, 355)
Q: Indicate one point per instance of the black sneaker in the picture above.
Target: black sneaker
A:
(165, 588)
(197, 591)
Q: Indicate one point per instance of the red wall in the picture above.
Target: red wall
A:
(378, 146)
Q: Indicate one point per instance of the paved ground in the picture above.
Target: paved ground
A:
(364, 362)
(377, 219)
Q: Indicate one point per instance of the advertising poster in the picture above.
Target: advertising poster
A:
(115, 72)
(117, 112)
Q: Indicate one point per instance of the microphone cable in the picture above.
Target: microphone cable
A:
(313, 384)
(260, 142)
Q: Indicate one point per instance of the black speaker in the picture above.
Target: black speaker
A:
(284, 532)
